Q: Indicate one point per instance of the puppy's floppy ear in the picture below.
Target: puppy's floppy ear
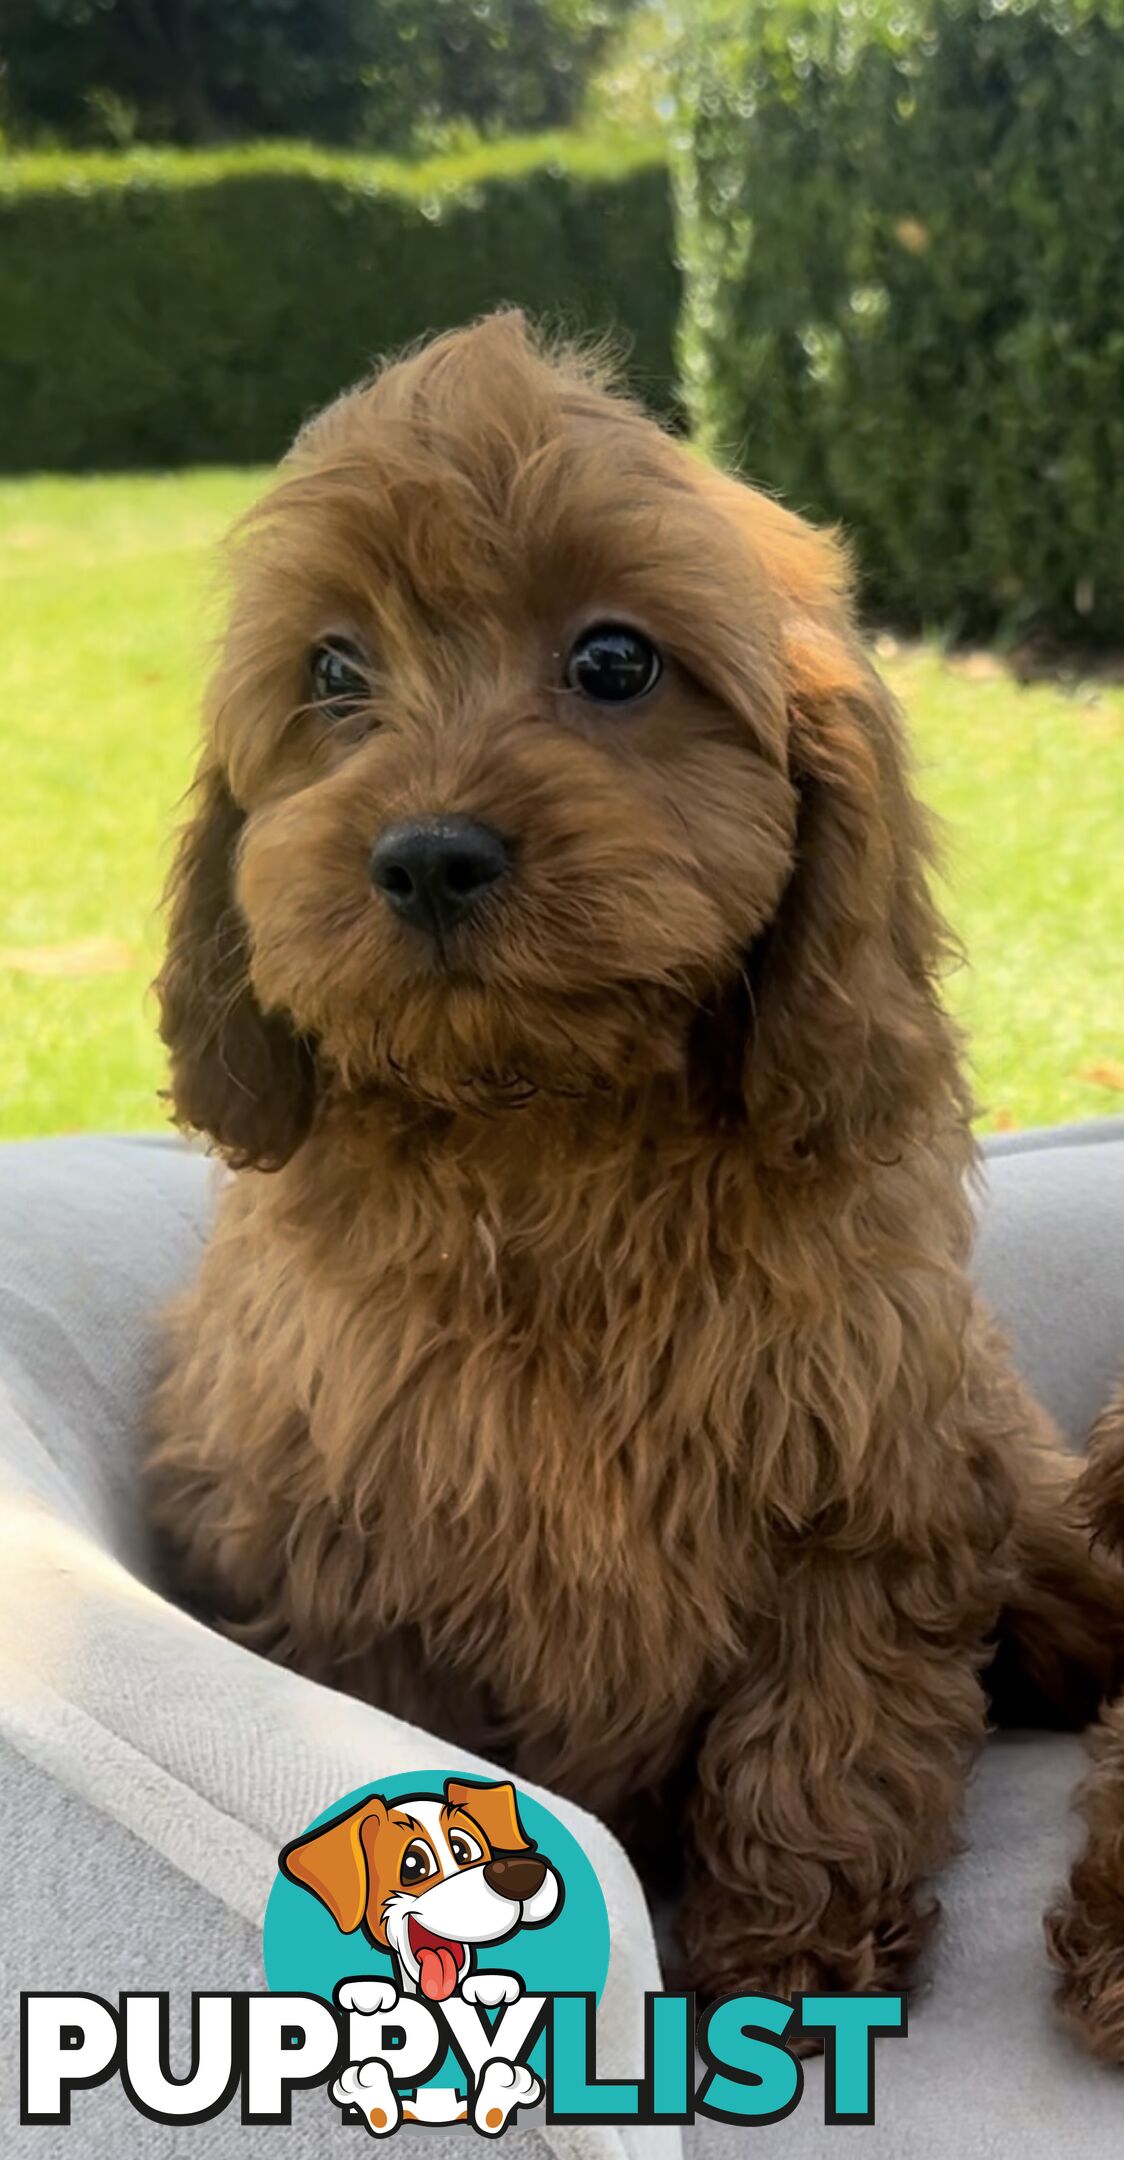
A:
(494, 1808)
(332, 1863)
(238, 1074)
(846, 1047)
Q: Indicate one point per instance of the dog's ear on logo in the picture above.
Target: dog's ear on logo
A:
(332, 1863)
(493, 1808)
(237, 1074)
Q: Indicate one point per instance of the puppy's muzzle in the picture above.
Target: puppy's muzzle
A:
(434, 871)
(517, 1878)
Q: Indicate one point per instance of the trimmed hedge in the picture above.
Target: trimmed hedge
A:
(901, 227)
(164, 308)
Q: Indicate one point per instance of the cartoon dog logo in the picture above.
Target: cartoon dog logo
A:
(430, 1878)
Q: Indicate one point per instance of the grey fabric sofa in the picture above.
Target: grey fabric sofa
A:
(149, 1772)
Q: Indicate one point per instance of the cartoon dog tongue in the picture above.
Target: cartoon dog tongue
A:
(437, 1971)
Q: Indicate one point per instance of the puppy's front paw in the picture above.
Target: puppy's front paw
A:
(367, 2087)
(368, 1998)
(726, 1952)
(501, 2088)
(490, 1989)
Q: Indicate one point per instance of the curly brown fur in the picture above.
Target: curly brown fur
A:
(1085, 1931)
(596, 1371)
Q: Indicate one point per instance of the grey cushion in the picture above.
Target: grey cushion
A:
(150, 1771)
(1051, 1260)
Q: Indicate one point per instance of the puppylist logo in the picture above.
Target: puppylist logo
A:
(435, 1951)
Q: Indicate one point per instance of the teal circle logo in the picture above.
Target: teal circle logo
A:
(427, 1880)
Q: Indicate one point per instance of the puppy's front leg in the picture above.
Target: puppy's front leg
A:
(828, 1787)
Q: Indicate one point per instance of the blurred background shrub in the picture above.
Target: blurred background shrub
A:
(334, 71)
(901, 223)
(162, 308)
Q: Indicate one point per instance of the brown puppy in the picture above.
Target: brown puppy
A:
(584, 1360)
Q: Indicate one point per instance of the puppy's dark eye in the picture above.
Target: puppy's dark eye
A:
(465, 1850)
(613, 665)
(417, 1864)
(339, 676)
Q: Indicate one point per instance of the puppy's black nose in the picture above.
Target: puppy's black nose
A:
(434, 871)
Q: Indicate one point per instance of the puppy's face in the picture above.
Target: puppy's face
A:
(515, 777)
(518, 708)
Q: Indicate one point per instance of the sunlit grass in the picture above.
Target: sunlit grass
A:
(1030, 784)
(102, 645)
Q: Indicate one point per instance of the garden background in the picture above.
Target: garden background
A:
(868, 250)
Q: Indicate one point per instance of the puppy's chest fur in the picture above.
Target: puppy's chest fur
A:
(515, 1427)
(485, 1417)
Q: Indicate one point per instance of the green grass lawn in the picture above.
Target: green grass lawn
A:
(102, 642)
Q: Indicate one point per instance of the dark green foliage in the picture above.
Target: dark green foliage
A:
(335, 71)
(197, 70)
(512, 64)
(165, 309)
(902, 231)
